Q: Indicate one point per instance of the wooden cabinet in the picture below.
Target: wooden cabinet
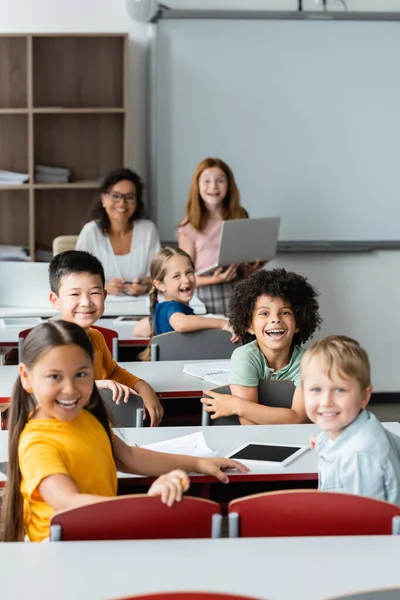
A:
(63, 103)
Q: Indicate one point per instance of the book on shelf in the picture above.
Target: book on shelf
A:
(13, 177)
(8, 253)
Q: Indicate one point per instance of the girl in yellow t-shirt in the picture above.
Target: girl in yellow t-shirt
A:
(62, 452)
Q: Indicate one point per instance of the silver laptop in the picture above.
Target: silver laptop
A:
(246, 241)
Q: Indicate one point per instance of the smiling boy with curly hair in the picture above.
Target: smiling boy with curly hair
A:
(273, 312)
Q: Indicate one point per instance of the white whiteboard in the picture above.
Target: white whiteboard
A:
(306, 113)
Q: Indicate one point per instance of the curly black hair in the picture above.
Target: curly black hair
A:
(276, 283)
(99, 213)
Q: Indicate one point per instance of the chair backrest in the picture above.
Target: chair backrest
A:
(270, 393)
(21, 337)
(138, 517)
(111, 338)
(125, 414)
(63, 243)
(188, 596)
(381, 594)
(309, 513)
(206, 344)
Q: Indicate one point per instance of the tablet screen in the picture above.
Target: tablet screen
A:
(263, 452)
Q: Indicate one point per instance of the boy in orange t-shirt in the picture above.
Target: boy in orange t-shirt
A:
(77, 291)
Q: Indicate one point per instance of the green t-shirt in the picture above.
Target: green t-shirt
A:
(249, 366)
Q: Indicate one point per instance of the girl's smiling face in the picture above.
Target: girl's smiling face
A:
(179, 281)
(61, 380)
(213, 187)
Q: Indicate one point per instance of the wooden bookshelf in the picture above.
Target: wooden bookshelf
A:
(63, 103)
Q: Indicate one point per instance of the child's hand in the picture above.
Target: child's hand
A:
(313, 441)
(222, 405)
(170, 487)
(150, 402)
(221, 276)
(120, 391)
(227, 327)
(115, 286)
(215, 467)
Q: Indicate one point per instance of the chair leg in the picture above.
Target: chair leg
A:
(115, 349)
(396, 526)
(205, 418)
(55, 533)
(233, 525)
(216, 526)
(139, 417)
(153, 352)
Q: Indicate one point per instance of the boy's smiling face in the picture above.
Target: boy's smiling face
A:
(273, 324)
(332, 400)
(80, 299)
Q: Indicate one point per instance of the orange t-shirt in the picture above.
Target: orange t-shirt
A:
(105, 366)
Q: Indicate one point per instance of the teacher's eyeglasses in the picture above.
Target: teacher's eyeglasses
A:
(117, 197)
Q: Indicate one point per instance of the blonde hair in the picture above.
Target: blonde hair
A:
(158, 270)
(196, 211)
(342, 353)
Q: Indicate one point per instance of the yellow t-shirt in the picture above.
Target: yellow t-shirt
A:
(78, 448)
(104, 365)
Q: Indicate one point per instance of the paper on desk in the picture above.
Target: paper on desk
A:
(193, 444)
(216, 372)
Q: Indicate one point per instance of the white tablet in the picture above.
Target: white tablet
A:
(275, 455)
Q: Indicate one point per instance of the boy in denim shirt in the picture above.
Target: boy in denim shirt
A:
(357, 455)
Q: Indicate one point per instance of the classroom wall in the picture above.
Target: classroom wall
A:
(360, 294)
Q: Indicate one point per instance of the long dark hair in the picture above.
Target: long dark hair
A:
(41, 339)
(99, 213)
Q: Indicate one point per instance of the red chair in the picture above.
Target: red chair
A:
(138, 517)
(188, 596)
(110, 336)
(310, 513)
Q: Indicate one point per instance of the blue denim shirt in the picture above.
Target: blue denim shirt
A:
(363, 460)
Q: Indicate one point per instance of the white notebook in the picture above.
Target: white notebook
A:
(216, 372)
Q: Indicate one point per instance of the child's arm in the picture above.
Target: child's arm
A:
(60, 492)
(131, 459)
(184, 323)
(120, 375)
(223, 405)
(142, 328)
(150, 401)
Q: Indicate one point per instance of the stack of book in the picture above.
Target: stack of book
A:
(47, 174)
(13, 178)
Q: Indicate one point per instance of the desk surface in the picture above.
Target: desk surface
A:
(137, 307)
(167, 378)
(9, 335)
(226, 439)
(269, 568)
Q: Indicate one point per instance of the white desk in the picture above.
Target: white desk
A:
(268, 568)
(134, 307)
(224, 440)
(9, 335)
(25, 290)
(167, 379)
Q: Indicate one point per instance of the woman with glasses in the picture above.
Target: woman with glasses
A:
(119, 236)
